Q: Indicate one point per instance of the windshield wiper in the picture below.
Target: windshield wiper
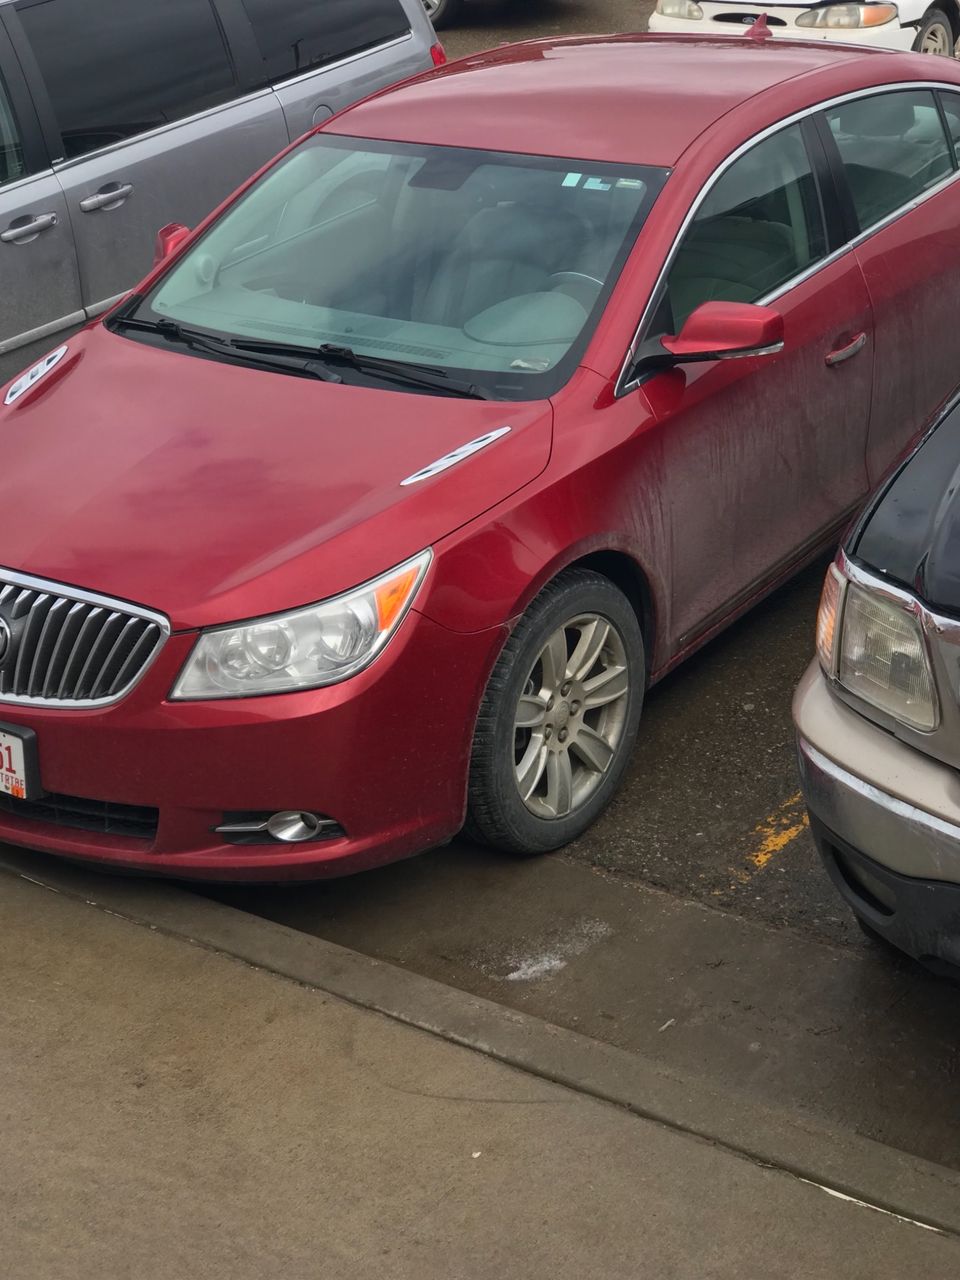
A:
(301, 363)
(416, 375)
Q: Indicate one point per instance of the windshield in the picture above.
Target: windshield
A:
(495, 267)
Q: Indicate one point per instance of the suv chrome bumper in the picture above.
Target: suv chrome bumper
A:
(883, 797)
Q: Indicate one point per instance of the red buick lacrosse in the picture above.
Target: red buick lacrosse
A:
(378, 506)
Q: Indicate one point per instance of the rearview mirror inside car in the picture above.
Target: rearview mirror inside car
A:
(169, 240)
(715, 331)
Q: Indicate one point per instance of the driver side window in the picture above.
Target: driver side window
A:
(760, 225)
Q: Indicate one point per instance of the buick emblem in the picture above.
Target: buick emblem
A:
(5, 639)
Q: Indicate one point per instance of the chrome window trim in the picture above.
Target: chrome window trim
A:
(622, 388)
(322, 67)
(105, 602)
(62, 165)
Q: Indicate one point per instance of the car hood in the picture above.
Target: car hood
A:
(214, 492)
(911, 531)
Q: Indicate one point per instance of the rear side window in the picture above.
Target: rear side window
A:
(893, 148)
(11, 152)
(951, 109)
(760, 225)
(117, 68)
(296, 35)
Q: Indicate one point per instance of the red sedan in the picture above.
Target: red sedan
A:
(379, 505)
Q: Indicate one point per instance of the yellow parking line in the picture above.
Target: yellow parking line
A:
(776, 831)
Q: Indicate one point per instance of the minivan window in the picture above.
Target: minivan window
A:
(295, 35)
(760, 225)
(11, 152)
(117, 68)
(893, 148)
(494, 266)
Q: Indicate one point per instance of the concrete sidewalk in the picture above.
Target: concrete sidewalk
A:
(170, 1112)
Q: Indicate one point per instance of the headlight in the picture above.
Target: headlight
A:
(680, 9)
(849, 16)
(875, 648)
(319, 645)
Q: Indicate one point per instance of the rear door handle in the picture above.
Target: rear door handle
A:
(111, 196)
(840, 354)
(23, 230)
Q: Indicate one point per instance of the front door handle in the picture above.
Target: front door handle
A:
(111, 196)
(847, 352)
(23, 230)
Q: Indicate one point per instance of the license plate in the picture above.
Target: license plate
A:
(19, 775)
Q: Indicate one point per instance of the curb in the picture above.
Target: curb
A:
(835, 1159)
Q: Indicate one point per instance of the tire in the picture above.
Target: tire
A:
(596, 639)
(443, 13)
(935, 34)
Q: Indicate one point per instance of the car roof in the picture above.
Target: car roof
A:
(637, 99)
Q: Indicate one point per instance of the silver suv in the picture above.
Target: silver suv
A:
(118, 116)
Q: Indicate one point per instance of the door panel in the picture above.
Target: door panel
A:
(38, 266)
(759, 456)
(912, 269)
(890, 151)
(118, 199)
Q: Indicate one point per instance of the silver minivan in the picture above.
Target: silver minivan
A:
(119, 116)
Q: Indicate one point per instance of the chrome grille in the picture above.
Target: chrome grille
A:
(63, 647)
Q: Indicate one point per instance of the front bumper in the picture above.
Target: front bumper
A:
(886, 820)
(733, 20)
(384, 754)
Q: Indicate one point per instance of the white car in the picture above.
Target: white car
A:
(911, 24)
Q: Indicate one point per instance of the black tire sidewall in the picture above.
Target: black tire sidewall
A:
(511, 825)
(447, 13)
(932, 16)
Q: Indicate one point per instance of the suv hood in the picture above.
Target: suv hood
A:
(911, 532)
(214, 492)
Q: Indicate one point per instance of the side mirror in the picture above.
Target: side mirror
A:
(169, 240)
(716, 331)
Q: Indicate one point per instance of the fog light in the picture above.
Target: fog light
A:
(292, 826)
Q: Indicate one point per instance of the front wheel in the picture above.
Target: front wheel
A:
(443, 13)
(559, 717)
(935, 34)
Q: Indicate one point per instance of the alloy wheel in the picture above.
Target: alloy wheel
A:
(938, 40)
(571, 716)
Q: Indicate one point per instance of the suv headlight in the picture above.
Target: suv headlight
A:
(849, 16)
(680, 9)
(875, 648)
(322, 644)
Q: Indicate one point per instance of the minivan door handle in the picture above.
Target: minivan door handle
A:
(23, 230)
(111, 196)
(839, 354)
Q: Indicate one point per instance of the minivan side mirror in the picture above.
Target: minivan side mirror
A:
(169, 240)
(715, 331)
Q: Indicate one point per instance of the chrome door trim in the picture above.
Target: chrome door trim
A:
(621, 387)
(74, 319)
